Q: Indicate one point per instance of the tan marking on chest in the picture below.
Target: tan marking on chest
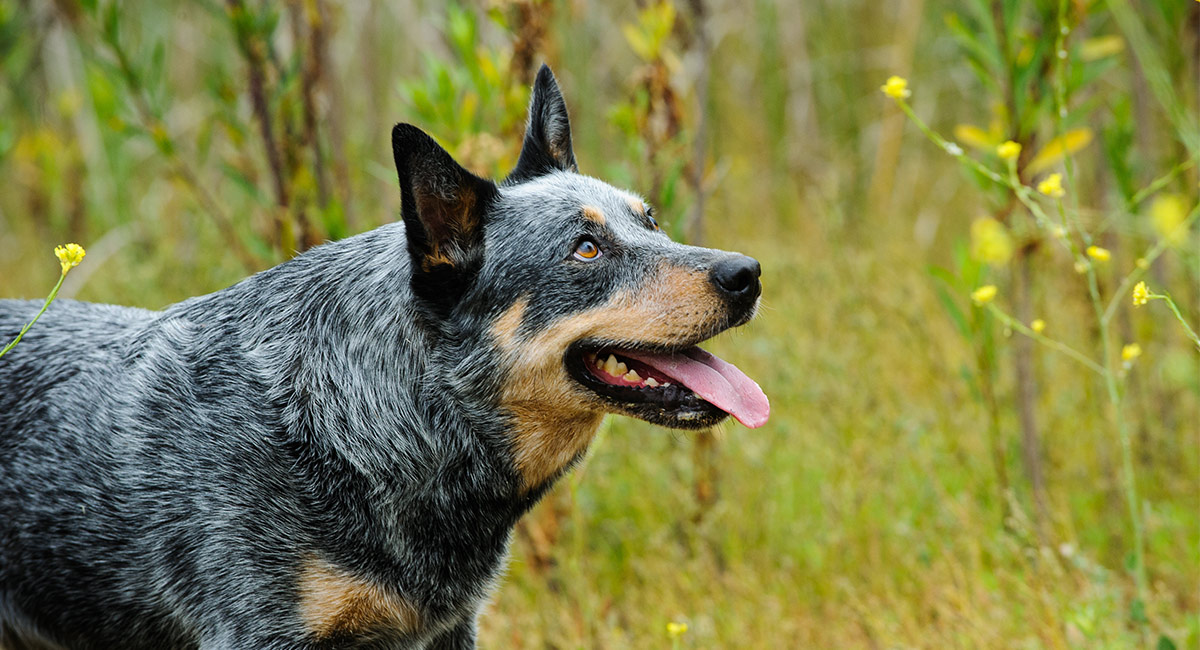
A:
(593, 213)
(554, 418)
(336, 603)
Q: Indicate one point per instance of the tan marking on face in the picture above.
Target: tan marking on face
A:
(636, 205)
(335, 602)
(594, 213)
(554, 418)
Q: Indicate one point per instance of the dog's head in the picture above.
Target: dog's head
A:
(587, 305)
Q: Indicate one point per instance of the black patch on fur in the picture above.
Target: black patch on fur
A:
(444, 208)
(547, 145)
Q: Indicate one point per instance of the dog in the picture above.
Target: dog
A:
(333, 452)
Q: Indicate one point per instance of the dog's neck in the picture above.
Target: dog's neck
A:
(352, 371)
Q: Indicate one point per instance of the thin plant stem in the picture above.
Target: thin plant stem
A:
(1182, 321)
(49, 299)
(1159, 183)
(1045, 340)
(1149, 258)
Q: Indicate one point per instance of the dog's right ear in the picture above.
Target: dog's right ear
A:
(444, 207)
(547, 145)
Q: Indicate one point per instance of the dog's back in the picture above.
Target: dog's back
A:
(58, 458)
(131, 445)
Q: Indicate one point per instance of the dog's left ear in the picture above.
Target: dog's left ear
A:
(547, 144)
(444, 207)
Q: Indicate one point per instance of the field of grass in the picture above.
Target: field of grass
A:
(924, 482)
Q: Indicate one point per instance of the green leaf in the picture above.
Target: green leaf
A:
(1137, 611)
(1165, 643)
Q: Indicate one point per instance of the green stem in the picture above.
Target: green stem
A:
(1159, 183)
(1045, 340)
(1182, 321)
(49, 299)
(1139, 271)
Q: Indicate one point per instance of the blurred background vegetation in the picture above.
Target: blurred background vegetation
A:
(930, 478)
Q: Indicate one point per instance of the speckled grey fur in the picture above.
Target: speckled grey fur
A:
(163, 475)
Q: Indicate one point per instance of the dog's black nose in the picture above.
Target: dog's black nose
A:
(738, 277)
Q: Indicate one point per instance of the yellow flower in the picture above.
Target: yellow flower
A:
(1141, 294)
(69, 255)
(990, 242)
(676, 630)
(1099, 254)
(1166, 214)
(1131, 352)
(1009, 150)
(1052, 186)
(896, 87)
(1037, 325)
(983, 295)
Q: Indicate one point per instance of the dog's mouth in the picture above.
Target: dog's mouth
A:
(683, 388)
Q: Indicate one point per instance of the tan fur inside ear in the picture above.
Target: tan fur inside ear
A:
(448, 225)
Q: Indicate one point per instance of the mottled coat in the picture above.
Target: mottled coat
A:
(333, 452)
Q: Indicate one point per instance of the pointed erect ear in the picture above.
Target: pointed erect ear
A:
(444, 207)
(548, 137)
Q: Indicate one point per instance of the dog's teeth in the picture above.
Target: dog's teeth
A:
(651, 382)
(632, 376)
(666, 383)
(610, 366)
(621, 369)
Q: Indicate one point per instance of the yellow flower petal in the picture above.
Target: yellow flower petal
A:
(990, 242)
(974, 136)
(1009, 150)
(69, 255)
(896, 87)
(1131, 352)
(1166, 215)
(1058, 148)
(1141, 294)
(985, 294)
(675, 630)
(1052, 186)
(1099, 254)
(1038, 325)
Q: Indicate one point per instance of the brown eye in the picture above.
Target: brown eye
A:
(587, 250)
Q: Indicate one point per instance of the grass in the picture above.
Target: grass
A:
(867, 512)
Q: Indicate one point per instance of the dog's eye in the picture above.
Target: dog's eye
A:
(587, 250)
(650, 216)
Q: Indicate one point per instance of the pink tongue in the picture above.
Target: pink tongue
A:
(718, 382)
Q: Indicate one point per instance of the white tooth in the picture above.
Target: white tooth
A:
(651, 382)
(632, 376)
(666, 383)
(621, 369)
(610, 365)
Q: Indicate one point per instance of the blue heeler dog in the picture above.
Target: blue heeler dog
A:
(333, 452)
